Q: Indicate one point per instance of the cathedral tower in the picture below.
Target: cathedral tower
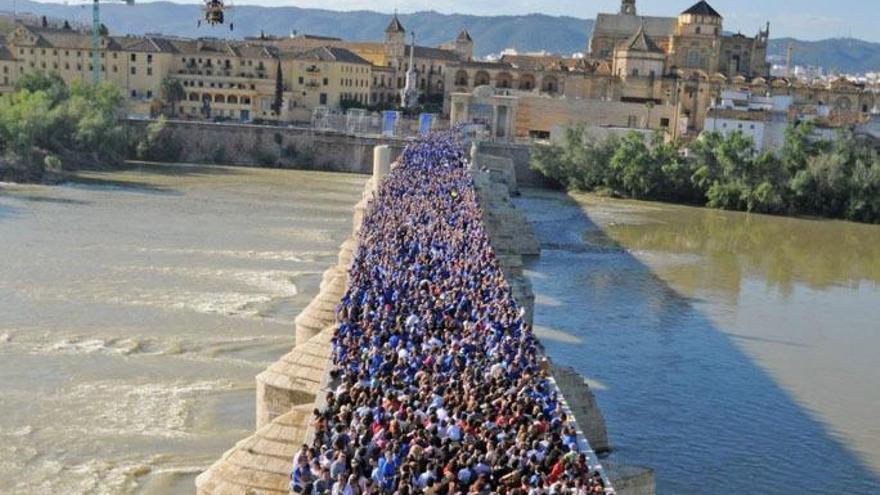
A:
(628, 7)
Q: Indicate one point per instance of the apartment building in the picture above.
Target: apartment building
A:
(221, 79)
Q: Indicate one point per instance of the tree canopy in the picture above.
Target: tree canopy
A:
(837, 178)
(45, 118)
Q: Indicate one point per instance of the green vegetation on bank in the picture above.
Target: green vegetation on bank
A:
(44, 125)
(839, 178)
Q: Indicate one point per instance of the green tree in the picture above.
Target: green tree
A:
(77, 124)
(172, 92)
(633, 171)
(160, 143)
(279, 91)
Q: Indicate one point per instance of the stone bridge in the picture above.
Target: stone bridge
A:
(291, 388)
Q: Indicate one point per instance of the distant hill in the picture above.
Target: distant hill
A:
(837, 54)
(492, 34)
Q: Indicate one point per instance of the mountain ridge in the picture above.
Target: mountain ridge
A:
(492, 34)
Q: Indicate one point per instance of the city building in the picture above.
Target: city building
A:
(659, 73)
(670, 66)
(220, 79)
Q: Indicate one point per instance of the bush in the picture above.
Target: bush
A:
(220, 156)
(52, 164)
(304, 159)
(82, 123)
(264, 157)
(160, 143)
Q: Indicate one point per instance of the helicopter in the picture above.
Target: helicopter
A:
(214, 11)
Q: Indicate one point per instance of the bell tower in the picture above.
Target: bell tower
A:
(628, 7)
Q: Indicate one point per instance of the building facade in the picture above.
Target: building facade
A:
(220, 79)
(674, 66)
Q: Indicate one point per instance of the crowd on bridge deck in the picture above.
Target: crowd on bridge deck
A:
(438, 385)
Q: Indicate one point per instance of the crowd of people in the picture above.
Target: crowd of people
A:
(438, 384)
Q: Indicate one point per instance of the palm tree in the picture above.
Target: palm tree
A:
(172, 92)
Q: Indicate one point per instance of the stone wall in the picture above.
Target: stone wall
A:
(519, 154)
(293, 147)
(631, 480)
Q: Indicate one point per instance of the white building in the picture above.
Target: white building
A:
(762, 118)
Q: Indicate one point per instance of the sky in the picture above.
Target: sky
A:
(804, 19)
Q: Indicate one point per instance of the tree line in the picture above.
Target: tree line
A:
(47, 125)
(837, 178)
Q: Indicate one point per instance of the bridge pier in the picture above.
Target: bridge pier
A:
(381, 164)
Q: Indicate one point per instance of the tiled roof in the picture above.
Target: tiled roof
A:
(395, 26)
(639, 42)
(481, 64)
(5, 54)
(702, 8)
(433, 53)
(622, 26)
(329, 54)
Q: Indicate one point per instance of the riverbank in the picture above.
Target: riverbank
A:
(837, 178)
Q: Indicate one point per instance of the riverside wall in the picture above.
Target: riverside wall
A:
(289, 389)
(326, 150)
(292, 147)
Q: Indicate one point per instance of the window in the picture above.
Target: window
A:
(115, 69)
(149, 71)
(134, 57)
(133, 70)
(699, 30)
(300, 79)
(664, 122)
(149, 58)
(134, 93)
(635, 72)
(149, 94)
(322, 99)
(326, 81)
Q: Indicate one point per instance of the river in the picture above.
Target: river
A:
(137, 306)
(732, 353)
(727, 351)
